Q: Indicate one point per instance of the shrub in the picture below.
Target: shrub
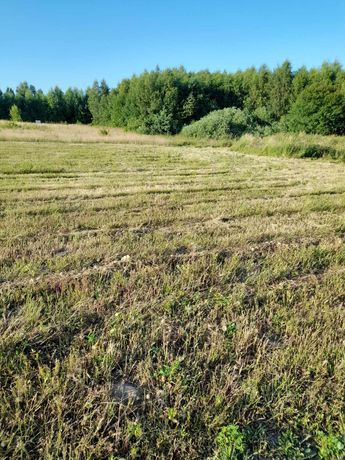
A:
(230, 122)
(159, 123)
(15, 114)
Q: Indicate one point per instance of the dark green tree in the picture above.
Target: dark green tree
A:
(320, 109)
(98, 103)
(281, 92)
(56, 105)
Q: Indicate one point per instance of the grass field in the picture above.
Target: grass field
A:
(211, 281)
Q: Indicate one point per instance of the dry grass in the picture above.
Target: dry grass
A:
(213, 281)
(72, 133)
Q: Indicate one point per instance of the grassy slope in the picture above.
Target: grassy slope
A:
(229, 309)
(294, 145)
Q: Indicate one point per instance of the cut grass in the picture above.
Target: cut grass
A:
(213, 281)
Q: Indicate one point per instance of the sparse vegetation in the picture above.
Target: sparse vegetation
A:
(203, 286)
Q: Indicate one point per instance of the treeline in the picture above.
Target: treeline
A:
(164, 101)
(28, 104)
(310, 100)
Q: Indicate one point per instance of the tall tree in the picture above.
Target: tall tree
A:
(320, 109)
(280, 96)
(56, 105)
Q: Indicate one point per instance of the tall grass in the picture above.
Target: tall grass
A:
(293, 145)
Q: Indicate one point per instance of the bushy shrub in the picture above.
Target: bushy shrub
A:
(15, 114)
(230, 122)
(159, 123)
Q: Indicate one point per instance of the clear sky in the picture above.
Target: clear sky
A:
(73, 42)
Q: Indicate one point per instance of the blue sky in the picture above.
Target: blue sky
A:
(73, 42)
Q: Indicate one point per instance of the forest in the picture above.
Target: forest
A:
(262, 101)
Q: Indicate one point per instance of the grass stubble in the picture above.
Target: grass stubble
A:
(212, 281)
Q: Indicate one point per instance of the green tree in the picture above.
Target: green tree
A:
(320, 109)
(76, 106)
(32, 103)
(280, 95)
(98, 103)
(300, 81)
(15, 114)
(56, 105)
(258, 88)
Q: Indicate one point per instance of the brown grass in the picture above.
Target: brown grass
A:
(73, 133)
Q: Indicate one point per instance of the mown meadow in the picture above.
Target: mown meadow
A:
(209, 281)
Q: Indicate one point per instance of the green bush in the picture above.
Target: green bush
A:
(159, 123)
(230, 122)
(15, 114)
